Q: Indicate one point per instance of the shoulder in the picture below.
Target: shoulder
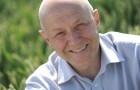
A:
(126, 45)
(45, 75)
(117, 37)
(121, 40)
(50, 66)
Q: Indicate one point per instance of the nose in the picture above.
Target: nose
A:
(74, 38)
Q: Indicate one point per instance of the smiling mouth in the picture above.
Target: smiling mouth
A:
(80, 49)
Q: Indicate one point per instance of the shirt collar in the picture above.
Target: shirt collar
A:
(108, 54)
(65, 72)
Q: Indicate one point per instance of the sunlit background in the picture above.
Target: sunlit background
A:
(22, 49)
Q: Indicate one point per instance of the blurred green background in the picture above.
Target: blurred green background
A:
(22, 49)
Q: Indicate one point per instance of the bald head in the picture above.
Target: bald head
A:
(49, 6)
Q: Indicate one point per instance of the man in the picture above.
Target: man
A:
(84, 59)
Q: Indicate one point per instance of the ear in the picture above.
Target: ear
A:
(96, 18)
(44, 36)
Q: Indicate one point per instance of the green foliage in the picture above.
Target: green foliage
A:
(120, 15)
(22, 49)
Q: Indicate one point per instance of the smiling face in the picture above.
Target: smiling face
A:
(71, 30)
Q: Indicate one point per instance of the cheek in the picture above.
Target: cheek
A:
(90, 33)
(93, 37)
(60, 49)
(58, 46)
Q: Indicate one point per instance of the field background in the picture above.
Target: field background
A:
(22, 49)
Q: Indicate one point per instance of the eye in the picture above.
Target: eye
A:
(80, 26)
(59, 34)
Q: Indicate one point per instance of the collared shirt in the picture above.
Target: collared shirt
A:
(120, 68)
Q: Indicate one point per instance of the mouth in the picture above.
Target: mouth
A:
(82, 48)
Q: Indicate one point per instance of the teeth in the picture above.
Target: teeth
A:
(80, 49)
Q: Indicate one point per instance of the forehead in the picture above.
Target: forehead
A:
(65, 12)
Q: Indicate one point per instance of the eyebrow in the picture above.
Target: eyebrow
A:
(80, 20)
(77, 21)
(57, 30)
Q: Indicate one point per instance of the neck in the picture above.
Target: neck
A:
(91, 69)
